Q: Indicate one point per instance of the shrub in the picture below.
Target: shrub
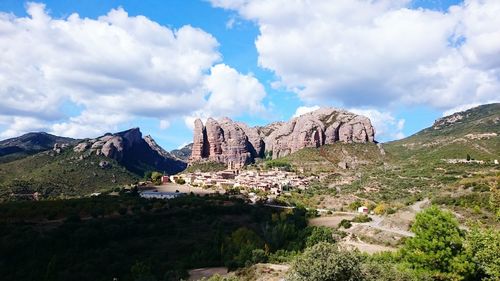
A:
(345, 224)
(361, 218)
(180, 181)
(325, 261)
(319, 234)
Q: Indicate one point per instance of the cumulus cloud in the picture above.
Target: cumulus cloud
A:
(115, 68)
(301, 110)
(231, 94)
(387, 127)
(379, 53)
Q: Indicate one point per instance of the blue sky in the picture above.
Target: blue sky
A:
(404, 95)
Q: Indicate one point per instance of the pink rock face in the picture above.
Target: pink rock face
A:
(199, 139)
(235, 143)
(222, 141)
(215, 137)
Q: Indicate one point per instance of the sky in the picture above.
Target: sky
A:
(86, 67)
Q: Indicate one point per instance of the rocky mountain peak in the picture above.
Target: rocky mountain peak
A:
(237, 144)
(134, 152)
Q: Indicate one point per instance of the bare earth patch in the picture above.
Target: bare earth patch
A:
(263, 272)
(199, 273)
(330, 221)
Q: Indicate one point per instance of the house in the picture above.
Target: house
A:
(363, 209)
(165, 179)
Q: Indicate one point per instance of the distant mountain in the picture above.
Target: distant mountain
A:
(475, 132)
(30, 143)
(86, 166)
(137, 154)
(183, 153)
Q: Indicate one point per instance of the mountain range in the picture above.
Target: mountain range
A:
(56, 165)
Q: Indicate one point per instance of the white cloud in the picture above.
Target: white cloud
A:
(231, 94)
(301, 110)
(115, 68)
(18, 125)
(379, 53)
(387, 127)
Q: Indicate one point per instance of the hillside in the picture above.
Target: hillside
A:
(91, 165)
(475, 132)
(61, 175)
(28, 144)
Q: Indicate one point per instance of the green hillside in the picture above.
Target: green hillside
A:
(64, 174)
(475, 132)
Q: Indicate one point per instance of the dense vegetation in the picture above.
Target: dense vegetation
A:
(130, 238)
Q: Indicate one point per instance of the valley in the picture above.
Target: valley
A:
(245, 207)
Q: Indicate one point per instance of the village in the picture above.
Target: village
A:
(251, 182)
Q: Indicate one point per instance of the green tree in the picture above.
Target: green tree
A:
(320, 234)
(325, 261)
(156, 177)
(437, 245)
(483, 245)
(240, 245)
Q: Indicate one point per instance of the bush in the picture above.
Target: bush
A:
(325, 261)
(180, 181)
(345, 224)
(319, 234)
(361, 219)
(258, 256)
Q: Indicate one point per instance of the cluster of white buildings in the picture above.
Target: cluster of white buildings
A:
(274, 182)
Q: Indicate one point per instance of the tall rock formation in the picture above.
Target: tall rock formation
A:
(236, 144)
(222, 141)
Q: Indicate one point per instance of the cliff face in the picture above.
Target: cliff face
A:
(223, 141)
(236, 144)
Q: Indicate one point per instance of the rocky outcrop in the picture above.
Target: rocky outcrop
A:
(238, 144)
(132, 151)
(224, 141)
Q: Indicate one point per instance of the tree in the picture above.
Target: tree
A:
(320, 234)
(325, 261)
(437, 245)
(240, 245)
(483, 245)
(381, 209)
(156, 177)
